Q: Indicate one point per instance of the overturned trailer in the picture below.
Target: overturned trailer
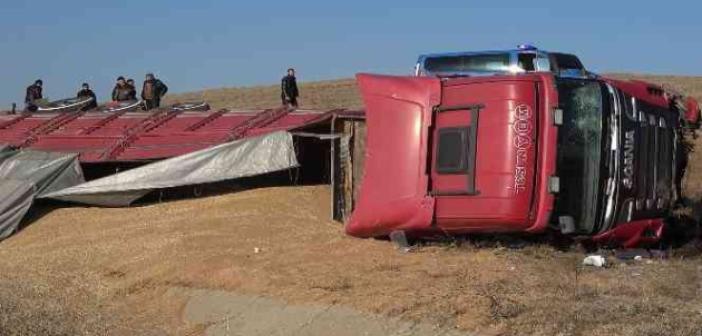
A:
(124, 155)
(593, 157)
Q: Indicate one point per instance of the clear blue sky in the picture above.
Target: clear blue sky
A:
(205, 44)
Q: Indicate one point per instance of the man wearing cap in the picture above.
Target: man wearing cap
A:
(152, 92)
(121, 92)
(34, 93)
(86, 92)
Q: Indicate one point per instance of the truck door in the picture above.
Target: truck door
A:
(483, 156)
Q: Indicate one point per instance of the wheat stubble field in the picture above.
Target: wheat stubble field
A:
(95, 271)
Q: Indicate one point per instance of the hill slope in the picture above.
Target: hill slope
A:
(343, 93)
(313, 95)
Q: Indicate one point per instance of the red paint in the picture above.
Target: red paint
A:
(657, 95)
(648, 92)
(633, 234)
(138, 136)
(514, 157)
(394, 191)
(692, 113)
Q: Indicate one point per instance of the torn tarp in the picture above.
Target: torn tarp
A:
(241, 158)
(47, 171)
(17, 198)
(5, 151)
(27, 174)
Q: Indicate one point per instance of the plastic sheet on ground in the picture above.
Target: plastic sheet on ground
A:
(26, 175)
(237, 159)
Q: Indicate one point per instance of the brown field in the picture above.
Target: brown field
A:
(332, 94)
(95, 271)
(343, 93)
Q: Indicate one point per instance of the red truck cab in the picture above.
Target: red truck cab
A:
(516, 153)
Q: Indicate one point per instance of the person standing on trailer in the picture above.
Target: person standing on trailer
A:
(86, 92)
(121, 92)
(132, 93)
(34, 93)
(288, 88)
(152, 92)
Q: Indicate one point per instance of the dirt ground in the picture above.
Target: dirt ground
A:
(94, 271)
(97, 271)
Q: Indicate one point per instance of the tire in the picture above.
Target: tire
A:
(193, 106)
(131, 105)
(65, 105)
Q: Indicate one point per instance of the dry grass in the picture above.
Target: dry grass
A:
(123, 262)
(112, 271)
(343, 93)
(314, 95)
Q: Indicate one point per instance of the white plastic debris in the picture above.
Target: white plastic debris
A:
(595, 260)
(257, 250)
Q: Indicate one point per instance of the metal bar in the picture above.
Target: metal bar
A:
(469, 107)
(47, 123)
(472, 150)
(153, 121)
(206, 120)
(455, 193)
(50, 126)
(14, 120)
(260, 120)
(103, 122)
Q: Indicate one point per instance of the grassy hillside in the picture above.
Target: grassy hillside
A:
(344, 93)
(314, 95)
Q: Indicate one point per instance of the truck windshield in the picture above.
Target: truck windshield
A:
(467, 63)
(580, 148)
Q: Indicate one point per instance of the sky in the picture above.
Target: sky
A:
(194, 45)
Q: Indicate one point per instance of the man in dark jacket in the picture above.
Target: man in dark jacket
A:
(132, 93)
(122, 90)
(288, 88)
(34, 93)
(152, 92)
(86, 92)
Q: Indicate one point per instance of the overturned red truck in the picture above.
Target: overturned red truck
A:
(523, 153)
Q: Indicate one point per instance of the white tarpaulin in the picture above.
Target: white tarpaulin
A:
(26, 174)
(241, 158)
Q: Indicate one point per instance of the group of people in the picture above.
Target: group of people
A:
(152, 91)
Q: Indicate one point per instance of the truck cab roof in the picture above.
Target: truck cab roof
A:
(498, 62)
